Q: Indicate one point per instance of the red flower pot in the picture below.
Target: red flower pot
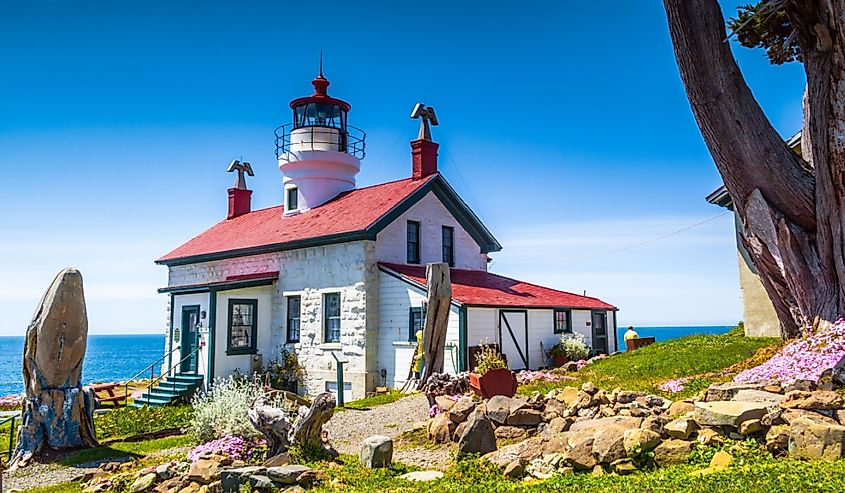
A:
(500, 381)
(559, 360)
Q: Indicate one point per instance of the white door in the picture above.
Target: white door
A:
(513, 337)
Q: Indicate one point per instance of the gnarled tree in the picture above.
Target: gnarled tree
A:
(791, 206)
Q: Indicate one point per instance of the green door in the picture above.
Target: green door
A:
(190, 321)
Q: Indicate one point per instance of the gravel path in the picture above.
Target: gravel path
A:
(347, 429)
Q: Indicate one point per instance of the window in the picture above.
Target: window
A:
(293, 199)
(413, 242)
(331, 317)
(414, 323)
(449, 245)
(243, 326)
(563, 321)
(294, 304)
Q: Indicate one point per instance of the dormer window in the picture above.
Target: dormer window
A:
(292, 199)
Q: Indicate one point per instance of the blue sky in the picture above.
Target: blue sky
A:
(563, 124)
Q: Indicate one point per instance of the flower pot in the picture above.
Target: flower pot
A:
(559, 360)
(500, 381)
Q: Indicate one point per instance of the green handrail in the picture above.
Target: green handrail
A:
(150, 367)
(155, 380)
(11, 434)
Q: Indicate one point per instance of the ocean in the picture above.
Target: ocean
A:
(666, 333)
(112, 358)
(109, 358)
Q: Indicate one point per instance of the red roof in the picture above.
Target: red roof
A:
(477, 287)
(352, 211)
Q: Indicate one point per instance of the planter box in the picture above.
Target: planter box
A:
(495, 382)
(559, 360)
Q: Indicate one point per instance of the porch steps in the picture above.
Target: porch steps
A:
(169, 390)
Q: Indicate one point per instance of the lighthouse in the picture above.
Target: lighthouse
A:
(319, 153)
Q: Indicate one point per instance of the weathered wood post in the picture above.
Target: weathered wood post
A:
(56, 412)
(439, 297)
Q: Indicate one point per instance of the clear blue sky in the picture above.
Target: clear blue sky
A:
(563, 124)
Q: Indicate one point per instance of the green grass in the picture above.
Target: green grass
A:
(645, 368)
(57, 488)
(126, 449)
(376, 400)
(129, 421)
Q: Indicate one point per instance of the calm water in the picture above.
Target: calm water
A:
(666, 333)
(108, 359)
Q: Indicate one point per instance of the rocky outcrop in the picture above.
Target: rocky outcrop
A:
(376, 452)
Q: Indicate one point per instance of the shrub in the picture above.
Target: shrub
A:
(572, 346)
(223, 410)
(489, 358)
(284, 370)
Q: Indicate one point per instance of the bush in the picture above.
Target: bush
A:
(572, 346)
(223, 410)
(489, 358)
(128, 421)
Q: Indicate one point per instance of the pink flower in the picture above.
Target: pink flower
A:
(674, 386)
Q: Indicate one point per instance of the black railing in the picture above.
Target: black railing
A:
(351, 140)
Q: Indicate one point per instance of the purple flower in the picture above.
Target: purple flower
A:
(674, 386)
(230, 445)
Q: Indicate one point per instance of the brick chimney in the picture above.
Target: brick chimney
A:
(424, 158)
(240, 202)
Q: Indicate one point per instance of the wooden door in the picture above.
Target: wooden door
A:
(513, 337)
(190, 321)
(600, 332)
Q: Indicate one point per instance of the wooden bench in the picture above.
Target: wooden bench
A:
(111, 397)
(638, 342)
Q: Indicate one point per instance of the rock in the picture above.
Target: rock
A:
(525, 417)
(773, 388)
(639, 412)
(289, 474)
(589, 388)
(441, 428)
(282, 459)
(598, 470)
(838, 374)
(558, 425)
(262, 483)
(751, 427)
(727, 390)
(681, 428)
(777, 440)
(640, 440)
(672, 452)
(567, 395)
(728, 413)
(462, 409)
(459, 430)
(524, 451)
(754, 395)
(721, 460)
(709, 436)
(514, 470)
(444, 402)
(510, 433)
(788, 416)
(422, 476)
(570, 367)
(164, 471)
(773, 417)
(839, 415)
(376, 452)
(553, 409)
(478, 436)
(798, 399)
(655, 424)
(802, 385)
(499, 407)
(580, 455)
(816, 441)
(627, 396)
(623, 467)
(205, 470)
(601, 398)
(625, 422)
(143, 483)
(587, 412)
(608, 444)
(232, 479)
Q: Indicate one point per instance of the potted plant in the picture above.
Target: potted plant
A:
(491, 376)
(285, 372)
(570, 348)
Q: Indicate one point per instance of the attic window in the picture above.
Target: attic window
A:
(293, 199)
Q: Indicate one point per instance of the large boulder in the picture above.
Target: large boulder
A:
(727, 390)
(499, 407)
(441, 428)
(640, 440)
(754, 395)
(824, 400)
(728, 413)
(816, 441)
(672, 452)
(580, 455)
(525, 417)
(524, 451)
(608, 444)
(462, 409)
(681, 428)
(790, 415)
(376, 452)
(679, 408)
(478, 436)
(777, 440)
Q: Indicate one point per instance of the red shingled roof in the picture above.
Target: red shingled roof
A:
(476, 287)
(349, 212)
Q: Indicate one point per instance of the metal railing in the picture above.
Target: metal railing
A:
(351, 140)
(151, 369)
(11, 420)
(156, 380)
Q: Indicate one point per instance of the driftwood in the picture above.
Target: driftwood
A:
(56, 411)
(280, 433)
(439, 286)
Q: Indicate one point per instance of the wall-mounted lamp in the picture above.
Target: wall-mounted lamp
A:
(202, 315)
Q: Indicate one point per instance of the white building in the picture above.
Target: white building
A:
(339, 271)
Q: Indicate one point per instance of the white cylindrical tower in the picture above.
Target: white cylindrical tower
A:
(319, 153)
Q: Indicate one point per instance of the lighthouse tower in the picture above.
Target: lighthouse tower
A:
(319, 153)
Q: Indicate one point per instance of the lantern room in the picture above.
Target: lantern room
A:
(319, 153)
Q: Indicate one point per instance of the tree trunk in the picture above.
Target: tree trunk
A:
(280, 433)
(791, 208)
(56, 411)
(439, 299)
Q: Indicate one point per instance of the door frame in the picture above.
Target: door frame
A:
(502, 317)
(193, 363)
(602, 313)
